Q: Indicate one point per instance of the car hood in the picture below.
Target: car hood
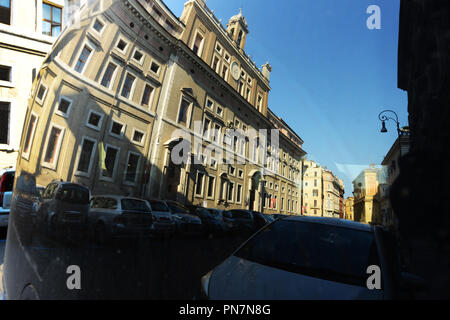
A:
(240, 279)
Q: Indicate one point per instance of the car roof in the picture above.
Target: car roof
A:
(5, 170)
(330, 221)
(114, 196)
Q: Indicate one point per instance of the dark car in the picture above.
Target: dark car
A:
(212, 222)
(247, 221)
(187, 223)
(64, 209)
(310, 258)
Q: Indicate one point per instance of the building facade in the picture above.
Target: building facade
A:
(348, 205)
(332, 189)
(136, 101)
(312, 189)
(366, 195)
(28, 29)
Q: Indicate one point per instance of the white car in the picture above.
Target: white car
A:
(113, 216)
(309, 258)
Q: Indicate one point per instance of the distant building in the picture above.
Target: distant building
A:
(312, 188)
(332, 190)
(348, 211)
(28, 29)
(366, 195)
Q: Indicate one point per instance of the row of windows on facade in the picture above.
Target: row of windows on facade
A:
(108, 153)
(232, 192)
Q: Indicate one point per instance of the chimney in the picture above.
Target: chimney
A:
(266, 69)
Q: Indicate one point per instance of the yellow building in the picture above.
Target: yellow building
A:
(366, 188)
(133, 89)
(348, 204)
(332, 188)
(28, 29)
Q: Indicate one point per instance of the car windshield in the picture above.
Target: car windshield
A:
(73, 194)
(104, 203)
(158, 206)
(134, 205)
(315, 249)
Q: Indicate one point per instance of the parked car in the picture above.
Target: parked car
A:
(64, 209)
(187, 223)
(6, 188)
(261, 219)
(224, 217)
(247, 221)
(309, 258)
(113, 216)
(163, 221)
(212, 222)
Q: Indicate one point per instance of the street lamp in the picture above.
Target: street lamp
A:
(383, 118)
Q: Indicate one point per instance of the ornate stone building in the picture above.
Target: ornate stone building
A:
(131, 83)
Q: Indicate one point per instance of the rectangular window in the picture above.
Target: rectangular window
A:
(211, 184)
(219, 111)
(94, 120)
(122, 45)
(86, 156)
(216, 64)
(216, 134)
(225, 72)
(98, 25)
(223, 188)
(108, 75)
(128, 85)
(230, 191)
(117, 129)
(199, 186)
(30, 135)
(53, 144)
(238, 193)
(206, 128)
(82, 59)
(42, 92)
(154, 67)
(110, 162)
(5, 11)
(138, 136)
(132, 167)
(148, 90)
(51, 19)
(4, 122)
(198, 45)
(138, 56)
(64, 107)
(183, 113)
(5, 73)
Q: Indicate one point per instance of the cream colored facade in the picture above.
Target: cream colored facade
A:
(23, 47)
(312, 189)
(332, 188)
(366, 192)
(127, 87)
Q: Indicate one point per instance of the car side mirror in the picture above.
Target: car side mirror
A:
(410, 281)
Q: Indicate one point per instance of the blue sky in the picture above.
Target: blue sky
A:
(331, 75)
